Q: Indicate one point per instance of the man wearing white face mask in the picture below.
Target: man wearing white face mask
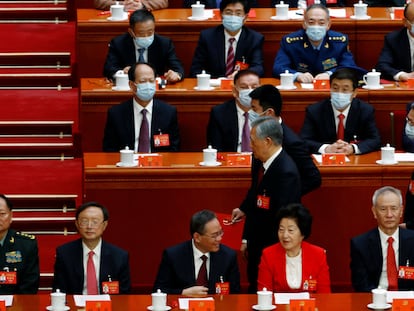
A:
(342, 123)
(228, 128)
(313, 52)
(142, 44)
(142, 123)
(408, 133)
(230, 47)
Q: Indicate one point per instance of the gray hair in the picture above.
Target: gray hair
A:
(384, 190)
(268, 127)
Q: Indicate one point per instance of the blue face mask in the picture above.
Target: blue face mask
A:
(233, 23)
(144, 42)
(316, 32)
(145, 91)
(340, 100)
(409, 130)
(244, 98)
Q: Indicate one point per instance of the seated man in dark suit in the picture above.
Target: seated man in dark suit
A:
(229, 125)
(211, 4)
(342, 123)
(395, 61)
(225, 49)
(378, 256)
(132, 4)
(196, 266)
(89, 265)
(408, 131)
(142, 44)
(142, 123)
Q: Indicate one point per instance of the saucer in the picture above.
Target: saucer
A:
(120, 164)
(209, 88)
(258, 307)
(116, 88)
(151, 308)
(124, 18)
(279, 18)
(50, 308)
(375, 307)
(362, 17)
(191, 18)
(281, 87)
(380, 162)
(372, 88)
(215, 164)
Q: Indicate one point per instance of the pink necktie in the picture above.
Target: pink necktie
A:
(230, 58)
(91, 284)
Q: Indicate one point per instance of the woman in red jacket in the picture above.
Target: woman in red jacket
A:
(293, 265)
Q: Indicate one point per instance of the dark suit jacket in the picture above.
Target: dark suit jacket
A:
(319, 126)
(211, 4)
(385, 3)
(176, 270)
(223, 134)
(366, 259)
(119, 128)
(409, 204)
(161, 54)
(407, 143)
(210, 52)
(69, 273)
(395, 54)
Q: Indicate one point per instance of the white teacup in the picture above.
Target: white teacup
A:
(286, 79)
(203, 81)
(282, 10)
(58, 300)
(117, 11)
(372, 79)
(360, 9)
(197, 10)
(126, 156)
(210, 156)
(388, 154)
(121, 80)
(264, 298)
(159, 300)
(379, 297)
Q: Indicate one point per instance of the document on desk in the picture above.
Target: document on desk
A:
(80, 300)
(404, 157)
(399, 295)
(8, 299)
(340, 13)
(318, 158)
(183, 302)
(284, 298)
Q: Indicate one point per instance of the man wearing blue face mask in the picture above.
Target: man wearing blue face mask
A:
(315, 51)
(229, 124)
(342, 123)
(230, 47)
(142, 123)
(142, 44)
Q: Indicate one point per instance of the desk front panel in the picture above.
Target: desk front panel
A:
(150, 207)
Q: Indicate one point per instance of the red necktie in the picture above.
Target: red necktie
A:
(245, 143)
(260, 175)
(230, 58)
(91, 284)
(143, 140)
(202, 279)
(391, 267)
(341, 129)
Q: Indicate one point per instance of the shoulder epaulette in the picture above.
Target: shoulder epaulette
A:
(338, 38)
(25, 235)
(294, 39)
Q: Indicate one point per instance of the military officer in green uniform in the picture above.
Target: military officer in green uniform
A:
(313, 52)
(19, 259)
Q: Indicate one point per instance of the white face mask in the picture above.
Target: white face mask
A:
(315, 32)
(340, 100)
(244, 98)
(409, 130)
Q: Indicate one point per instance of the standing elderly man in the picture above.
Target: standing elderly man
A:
(313, 52)
(131, 5)
(275, 183)
(379, 256)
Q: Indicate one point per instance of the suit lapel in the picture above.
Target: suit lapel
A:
(221, 49)
(351, 121)
(330, 127)
(375, 251)
(238, 56)
(130, 123)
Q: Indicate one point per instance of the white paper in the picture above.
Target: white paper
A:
(8, 299)
(337, 12)
(295, 14)
(399, 294)
(80, 300)
(318, 158)
(404, 157)
(284, 298)
(183, 302)
(308, 86)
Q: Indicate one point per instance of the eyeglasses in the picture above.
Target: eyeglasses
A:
(216, 235)
(86, 223)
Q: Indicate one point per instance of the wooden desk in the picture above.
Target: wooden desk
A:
(194, 108)
(150, 207)
(94, 33)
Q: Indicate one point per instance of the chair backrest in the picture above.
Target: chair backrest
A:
(397, 121)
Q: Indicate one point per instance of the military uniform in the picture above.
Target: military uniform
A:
(19, 253)
(296, 54)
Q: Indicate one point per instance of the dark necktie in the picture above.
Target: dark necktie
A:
(141, 55)
(341, 129)
(260, 174)
(143, 140)
(91, 285)
(202, 279)
(245, 143)
(230, 58)
(391, 267)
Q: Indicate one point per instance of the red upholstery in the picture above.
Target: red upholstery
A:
(232, 233)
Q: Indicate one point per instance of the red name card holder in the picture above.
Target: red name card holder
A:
(200, 305)
(2, 305)
(320, 84)
(333, 158)
(150, 160)
(302, 304)
(402, 304)
(98, 305)
(239, 159)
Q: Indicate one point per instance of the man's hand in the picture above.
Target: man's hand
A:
(172, 76)
(305, 78)
(195, 291)
(237, 214)
(132, 5)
